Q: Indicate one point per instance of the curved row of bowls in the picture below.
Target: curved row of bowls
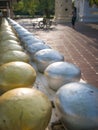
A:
(30, 43)
(76, 102)
(11, 54)
(43, 55)
(21, 106)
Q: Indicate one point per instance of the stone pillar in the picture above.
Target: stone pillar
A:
(63, 11)
(11, 14)
(8, 10)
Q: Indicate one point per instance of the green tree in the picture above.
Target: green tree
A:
(18, 6)
(92, 2)
(26, 6)
(30, 6)
(45, 7)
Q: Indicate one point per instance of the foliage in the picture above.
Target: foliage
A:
(30, 6)
(19, 6)
(93, 2)
(45, 7)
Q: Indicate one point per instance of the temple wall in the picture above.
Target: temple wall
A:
(85, 13)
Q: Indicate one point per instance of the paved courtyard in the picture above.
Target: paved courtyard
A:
(79, 46)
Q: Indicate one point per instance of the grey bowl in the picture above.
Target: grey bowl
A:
(33, 48)
(60, 73)
(77, 105)
(45, 57)
(28, 42)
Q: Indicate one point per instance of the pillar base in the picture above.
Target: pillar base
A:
(63, 19)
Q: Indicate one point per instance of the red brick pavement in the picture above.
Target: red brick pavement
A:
(79, 46)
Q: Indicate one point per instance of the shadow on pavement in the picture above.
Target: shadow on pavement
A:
(88, 29)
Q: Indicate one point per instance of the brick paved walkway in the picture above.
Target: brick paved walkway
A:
(78, 46)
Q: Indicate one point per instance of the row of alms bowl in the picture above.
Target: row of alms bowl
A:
(76, 102)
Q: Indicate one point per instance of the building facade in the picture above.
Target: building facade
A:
(86, 13)
(6, 7)
(63, 10)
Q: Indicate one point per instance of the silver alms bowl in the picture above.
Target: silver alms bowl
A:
(77, 105)
(60, 73)
(33, 48)
(45, 57)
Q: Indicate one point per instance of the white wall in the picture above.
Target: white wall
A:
(86, 13)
